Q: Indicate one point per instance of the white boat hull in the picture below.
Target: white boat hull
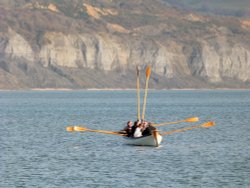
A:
(151, 140)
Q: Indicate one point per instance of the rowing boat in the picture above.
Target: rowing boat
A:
(150, 140)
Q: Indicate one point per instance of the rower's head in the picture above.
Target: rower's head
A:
(129, 123)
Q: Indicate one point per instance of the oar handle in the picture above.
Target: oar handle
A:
(167, 123)
(138, 93)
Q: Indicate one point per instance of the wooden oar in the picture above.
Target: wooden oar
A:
(138, 93)
(83, 129)
(204, 125)
(148, 72)
(192, 119)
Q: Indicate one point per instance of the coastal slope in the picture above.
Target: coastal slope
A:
(96, 44)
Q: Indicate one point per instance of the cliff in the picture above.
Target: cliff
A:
(54, 44)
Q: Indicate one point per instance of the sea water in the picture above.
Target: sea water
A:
(37, 151)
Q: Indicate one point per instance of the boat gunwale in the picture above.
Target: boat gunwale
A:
(151, 136)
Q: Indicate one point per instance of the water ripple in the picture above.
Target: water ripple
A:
(36, 151)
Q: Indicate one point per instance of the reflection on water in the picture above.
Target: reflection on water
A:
(36, 151)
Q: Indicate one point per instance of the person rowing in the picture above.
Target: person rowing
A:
(138, 131)
(140, 128)
(148, 129)
(127, 129)
(136, 124)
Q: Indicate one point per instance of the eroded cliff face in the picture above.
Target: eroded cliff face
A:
(219, 61)
(107, 58)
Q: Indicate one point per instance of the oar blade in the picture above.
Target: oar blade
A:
(77, 128)
(148, 71)
(208, 124)
(70, 129)
(192, 119)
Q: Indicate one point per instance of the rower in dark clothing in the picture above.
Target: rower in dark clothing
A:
(128, 129)
(148, 130)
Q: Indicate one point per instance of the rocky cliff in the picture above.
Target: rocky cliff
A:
(96, 44)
